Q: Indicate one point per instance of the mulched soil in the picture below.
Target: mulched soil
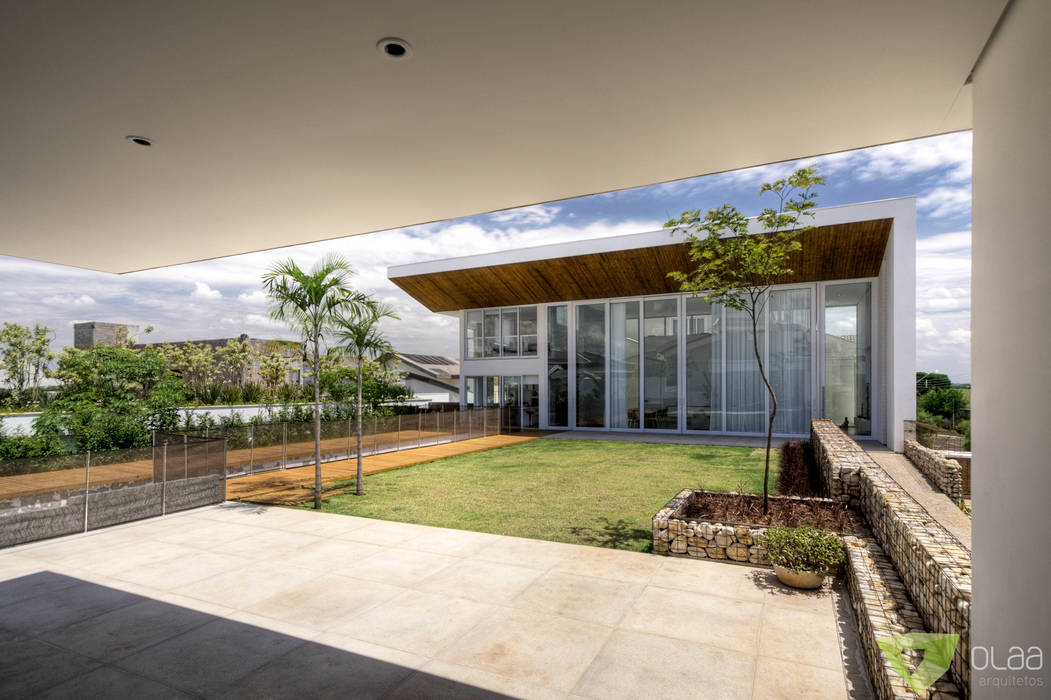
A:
(748, 508)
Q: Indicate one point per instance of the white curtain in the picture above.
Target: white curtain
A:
(790, 359)
(624, 364)
(745, 393)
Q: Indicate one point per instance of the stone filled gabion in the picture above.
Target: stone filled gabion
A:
(934, 568)
(946, 474)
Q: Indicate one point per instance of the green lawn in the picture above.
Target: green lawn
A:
(581, 491)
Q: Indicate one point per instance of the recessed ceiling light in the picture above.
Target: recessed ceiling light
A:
(394, 48)
(140, 140)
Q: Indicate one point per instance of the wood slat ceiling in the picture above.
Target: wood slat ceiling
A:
(841, 251)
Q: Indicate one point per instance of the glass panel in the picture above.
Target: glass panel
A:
(475, 391)
(509, 331)
(660, 347)
(558, 366)
(475, 343)
(704, 371)
(591, 365)
(492, 392)
(511, 403)
(492, 332)
(530, 402)
(527, 329)
(624, 364)
(790, 359)
(848, 356)
(745, 392)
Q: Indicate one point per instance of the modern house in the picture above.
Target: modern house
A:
(435, 378)
(593, 335)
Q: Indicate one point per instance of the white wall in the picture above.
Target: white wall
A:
(1011, 288)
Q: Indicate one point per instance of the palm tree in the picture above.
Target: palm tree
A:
(308, 302)
(360, 338)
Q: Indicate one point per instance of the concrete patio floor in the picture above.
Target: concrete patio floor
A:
(250, 601)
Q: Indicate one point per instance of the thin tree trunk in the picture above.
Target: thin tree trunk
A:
(361, 476)
(317, 431)
(773, 412)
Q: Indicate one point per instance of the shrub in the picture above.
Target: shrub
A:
(251, 393)
(803, 549)
(793, 476)
(943, 402)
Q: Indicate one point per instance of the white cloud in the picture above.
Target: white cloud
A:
(945, 201)
(203, 291)
(536, 215)
(70, 300)
(943, 304)
(256, 298)
(899, 160)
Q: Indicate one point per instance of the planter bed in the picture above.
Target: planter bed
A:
(728, 526)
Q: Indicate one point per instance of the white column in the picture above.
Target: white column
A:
(1011, 291)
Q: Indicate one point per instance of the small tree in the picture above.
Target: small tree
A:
(360, 339)
(25, 355)
(737, 269)
(237, 356)
(274, 369)
(308, 303)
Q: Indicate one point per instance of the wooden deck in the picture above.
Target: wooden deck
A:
(293, 486)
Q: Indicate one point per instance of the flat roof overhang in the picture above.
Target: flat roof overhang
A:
(281, 123)
(849, 250)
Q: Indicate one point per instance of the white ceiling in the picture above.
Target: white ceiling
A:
(279, 122)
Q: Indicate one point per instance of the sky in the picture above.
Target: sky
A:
(224, 298)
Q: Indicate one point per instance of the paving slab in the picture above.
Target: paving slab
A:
(174, 607)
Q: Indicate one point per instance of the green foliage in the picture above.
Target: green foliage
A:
(736, 269)
(926, 381)
(111, 397)
(18, 445)
(197, 365)
(25, 354)
(274, 369)
(251, 393)
(803, 549)
(237, 357)
(946, 403)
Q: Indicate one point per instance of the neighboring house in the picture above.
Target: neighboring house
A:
(435, 378)
(593, 335)
(90, 333)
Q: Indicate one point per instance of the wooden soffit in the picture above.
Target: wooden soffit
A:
(841, 251)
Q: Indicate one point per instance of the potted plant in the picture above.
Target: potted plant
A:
(803, 556)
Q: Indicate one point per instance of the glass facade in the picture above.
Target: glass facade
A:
(624, 364)
(848, 356)
(681, 363)
(558, 366)
(704, 365)
(791, 360)
(660, 348)
(591, 365)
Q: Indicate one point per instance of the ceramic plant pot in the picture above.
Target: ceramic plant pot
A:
(801, 579)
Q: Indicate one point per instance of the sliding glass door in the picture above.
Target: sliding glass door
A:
(704, 365)
(791, 360)
(624, 364)
(591, 365)
(661, 363)
(558, 366)
(848, 356)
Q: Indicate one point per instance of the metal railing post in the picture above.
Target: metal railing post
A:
(419, 430)
(251, 449)
(350, 431)
(185, 457)
(87, 486)
(399, 433)
(225, 468)
(284, 445)
(485, 422)
(437, 426)
(164, 478)
(456, 412)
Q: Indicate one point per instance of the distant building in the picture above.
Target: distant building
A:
(432, 377)
(99, 333)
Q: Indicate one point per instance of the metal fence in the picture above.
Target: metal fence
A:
(259, 448)
(51, 496)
